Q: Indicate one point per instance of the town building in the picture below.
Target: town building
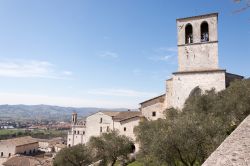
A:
(48, 145)
(59, 147)
(22, 145)
(103, 122)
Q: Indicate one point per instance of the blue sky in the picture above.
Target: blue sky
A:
(104, 53)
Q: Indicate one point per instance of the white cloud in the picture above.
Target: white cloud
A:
(29, 68)
(120, 92)
(68, 73)
(109, 54)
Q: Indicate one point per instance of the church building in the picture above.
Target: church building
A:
(198, 68)
(198, 65)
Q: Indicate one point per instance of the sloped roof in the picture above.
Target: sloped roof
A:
(19, 141)
(235, 150)
(127, 115)
(122, 115)
(110, 113)
(27, 161)
(161, 96)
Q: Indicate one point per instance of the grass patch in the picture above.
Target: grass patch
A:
(135, 163)
(12, 133)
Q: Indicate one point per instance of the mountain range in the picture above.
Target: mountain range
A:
(46, 112)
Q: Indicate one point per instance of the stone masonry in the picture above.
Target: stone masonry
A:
(235, 150)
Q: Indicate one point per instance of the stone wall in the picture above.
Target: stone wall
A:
(156, 108)
(184, 83)
(126, 127)
(6, 150)
(198, 55)
(76, 135)
(235, 150)
(96, 126)
(28, 148)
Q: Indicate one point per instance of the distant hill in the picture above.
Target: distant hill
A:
(42, 112)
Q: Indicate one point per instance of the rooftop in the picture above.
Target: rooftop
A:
(199, 16)
(127, 115)
(26, 161)
(19, 141)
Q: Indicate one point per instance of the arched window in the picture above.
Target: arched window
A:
(188, 34)
(204, 32)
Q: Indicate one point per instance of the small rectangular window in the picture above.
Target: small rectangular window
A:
(100, 120)
(124, 128)
(101, 129)
(153, 113)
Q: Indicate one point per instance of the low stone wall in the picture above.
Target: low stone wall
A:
(235, 150)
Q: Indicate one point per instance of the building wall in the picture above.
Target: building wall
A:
(156, 107)
(184, 83)
(28, 148)
(6, 149)
(77, 135)
(94, 125)
(126, 127)
(198, 55)
(169, 94)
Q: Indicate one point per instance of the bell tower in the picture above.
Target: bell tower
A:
(74, 118)
(198, 43)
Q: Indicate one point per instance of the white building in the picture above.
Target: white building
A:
(48, 145)
(102, 122)
(22, 145)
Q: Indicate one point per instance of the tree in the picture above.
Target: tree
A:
(245, 7)
(111, 146)
(189, 136)
(78, 155)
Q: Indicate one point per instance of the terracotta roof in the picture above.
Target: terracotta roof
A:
(110, 113)
(27, 161)
(153, 98)
(234, 150)
(19, 141)
(124, 115)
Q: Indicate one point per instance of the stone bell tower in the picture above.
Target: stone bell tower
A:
(198, 43)
(74, 118)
